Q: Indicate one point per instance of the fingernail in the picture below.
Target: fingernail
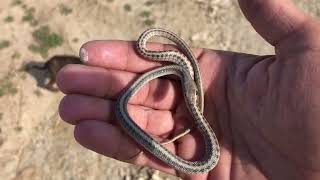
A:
(84, 55)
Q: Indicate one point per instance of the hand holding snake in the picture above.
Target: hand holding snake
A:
(264, 109)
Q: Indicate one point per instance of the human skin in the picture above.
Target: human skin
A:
(265, 110)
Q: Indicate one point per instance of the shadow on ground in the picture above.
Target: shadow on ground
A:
(45, 72)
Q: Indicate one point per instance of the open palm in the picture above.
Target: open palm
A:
(265, 110)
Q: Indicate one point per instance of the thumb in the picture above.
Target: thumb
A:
(274, 20)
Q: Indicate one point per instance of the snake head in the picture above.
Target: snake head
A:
(191, 91)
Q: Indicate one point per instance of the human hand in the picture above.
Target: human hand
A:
(264, 109)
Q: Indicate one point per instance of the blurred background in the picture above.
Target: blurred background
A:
(34, 142)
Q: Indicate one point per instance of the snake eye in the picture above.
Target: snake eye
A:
(195, 91)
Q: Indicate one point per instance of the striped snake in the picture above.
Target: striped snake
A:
(185, 66)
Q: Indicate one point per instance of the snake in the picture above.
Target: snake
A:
(185, 66)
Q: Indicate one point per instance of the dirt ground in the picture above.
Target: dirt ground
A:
(34, 142)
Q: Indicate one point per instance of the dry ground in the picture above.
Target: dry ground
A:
(34, 142)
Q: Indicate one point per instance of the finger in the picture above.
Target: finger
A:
(75, 108)
(108, 140)
(274, 20)
(121, 55)
(79, 79)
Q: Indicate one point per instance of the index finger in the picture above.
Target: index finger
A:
(121, 55)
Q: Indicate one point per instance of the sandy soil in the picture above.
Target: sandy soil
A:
(34, 142)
